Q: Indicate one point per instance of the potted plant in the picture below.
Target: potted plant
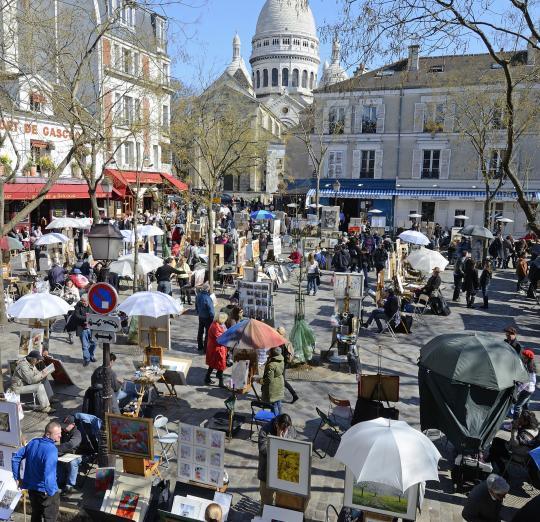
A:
(46, 165)
(30, 168)
(5, 165)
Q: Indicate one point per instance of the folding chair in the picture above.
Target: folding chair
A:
(340, 411)
(261, 413)
(420, 308)
(167, 439)
(395, 319)
(334, 432)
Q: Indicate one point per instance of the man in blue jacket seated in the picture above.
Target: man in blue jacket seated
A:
(388, 310)
(204, 306)
(41, 459)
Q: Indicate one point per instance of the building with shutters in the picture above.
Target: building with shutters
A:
(124, 91)
(393, 144)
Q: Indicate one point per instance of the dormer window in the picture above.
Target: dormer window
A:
(37, 102)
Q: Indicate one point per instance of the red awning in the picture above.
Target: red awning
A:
(28, 191)
(128, 177)
(175, 182)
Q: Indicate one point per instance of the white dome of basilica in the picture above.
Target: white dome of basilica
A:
(278, 16)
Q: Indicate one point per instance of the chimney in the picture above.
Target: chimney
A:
(532, 51)
(414, 57)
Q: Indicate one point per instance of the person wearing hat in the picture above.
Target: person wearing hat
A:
(433, 283)
(28, 379)
(511, 333)
(69, 443)
(524, 390)
(485, 500)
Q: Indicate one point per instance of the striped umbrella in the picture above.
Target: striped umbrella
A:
(251, 334)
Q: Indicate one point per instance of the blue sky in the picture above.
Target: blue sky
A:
(207, 36)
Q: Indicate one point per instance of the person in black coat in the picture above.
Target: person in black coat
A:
(471, 283)
(484, 503)
(433, 283)
(69, 443)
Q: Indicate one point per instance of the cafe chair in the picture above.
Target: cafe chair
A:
(420, 308)
(167, 439)
(340, 411)
(261, 413)
(389, 326)
(331, 428)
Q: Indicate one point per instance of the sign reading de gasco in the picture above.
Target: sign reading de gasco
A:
(36, 129)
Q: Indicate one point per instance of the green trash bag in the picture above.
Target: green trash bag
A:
(303, 341)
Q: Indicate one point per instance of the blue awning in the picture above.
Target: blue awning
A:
(458, 194)
(355, 193)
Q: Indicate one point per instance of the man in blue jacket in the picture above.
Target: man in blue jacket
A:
(204, 306)
(41, 460)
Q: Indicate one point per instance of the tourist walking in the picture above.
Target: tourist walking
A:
(40, 462)
(272, 382)
(204, 307)
(80, 319)
(216, 354)
(313, 274)
(471, 284)
(458, 274)
(522, 271)
(485, 281)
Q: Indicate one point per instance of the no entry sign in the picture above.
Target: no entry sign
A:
(102, 298)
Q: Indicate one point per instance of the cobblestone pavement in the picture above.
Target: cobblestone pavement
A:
(199, 402)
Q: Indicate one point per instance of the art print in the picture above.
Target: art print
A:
(185, 470)
(4, 422)
(215, 477)
(186, 452)
(186, 433)
(9, 426)
(200, 436)
(127, 505)
(8, 499)
(31, 340)
(216, 459)
(288, 466)
(130, 436)
(200, 456)
(104, 479)
(199, 473)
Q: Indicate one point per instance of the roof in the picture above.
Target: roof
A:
(468, 69)
(279, 16)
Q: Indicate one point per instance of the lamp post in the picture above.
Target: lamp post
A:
(337, 187)
(107, 187)
(106, 243)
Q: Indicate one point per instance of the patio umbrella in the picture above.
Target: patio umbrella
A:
(374, 211)
(262, 214)
(59, 223)
(150, 304)
(129, 236)
(51, 239)
(461, 216)
(250, 334)
(38, 306)
(10, 243)
(425, 260)
(474, 358)
(415, 215)
(145, 263)
(476, 231)
(505, 220)
(414, 237)
(149, 230)
(388, 452)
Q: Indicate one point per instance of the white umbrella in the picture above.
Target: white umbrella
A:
(389, 452)
(149, 230)
(314, 205)
(51, 239)
(150, 304)
(38, 306)
(425, 260)
(461, 216)
(145, 263)
(414, 237)
(415, 215)
(374, 211)
(59, 223)
(505, 220)
(83, 222)
(129, 236)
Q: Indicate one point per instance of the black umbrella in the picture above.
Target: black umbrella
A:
(474, 358)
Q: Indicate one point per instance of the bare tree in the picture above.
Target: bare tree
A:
(375, 28)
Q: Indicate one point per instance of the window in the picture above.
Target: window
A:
(304, 79)
(336, 120)
(497, 120)
(434, 117)
(431, 164)
(136, 63)
(266, 43)
(275, 41)
(155, 151)
(285, 77)
(127, 14)
(160, 32)
(335, 164)
(436, 69)
(305, 43)
(428, 211)
(495, 164)
(165, 116)
(128, 115)
(117, 56)
(165, 74)
(369, 119)
(127, 61)
(265, 78)
(38, 150)
(129, 158)
(459, 222)
(367, 164)
(37, 101)
(311, 81)
(137, 110)
(275, 78)
(258, 79)
(286, 41)
(296, 41)
(295, 76)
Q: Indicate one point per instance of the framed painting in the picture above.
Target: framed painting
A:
(130, 436)
(289, 465)
(154, 356)
(30, 340)
(330, 218)
(5, 457)
(10, 428)
(380, 498)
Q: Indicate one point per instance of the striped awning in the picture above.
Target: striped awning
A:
(355, 193)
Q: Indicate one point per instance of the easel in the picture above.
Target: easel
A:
(41, 324)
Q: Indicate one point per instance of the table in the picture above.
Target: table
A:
(146, 380)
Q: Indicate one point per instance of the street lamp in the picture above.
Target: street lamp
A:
(107, 186)
(106, 243)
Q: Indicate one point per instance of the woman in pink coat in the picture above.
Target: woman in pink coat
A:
(216, 355)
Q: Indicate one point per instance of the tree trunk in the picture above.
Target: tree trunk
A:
(93, 200)
(3, 313)
(210, 235)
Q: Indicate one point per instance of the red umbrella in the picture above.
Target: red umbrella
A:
(251, 334)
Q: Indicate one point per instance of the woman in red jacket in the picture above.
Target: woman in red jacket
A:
(216, 355)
